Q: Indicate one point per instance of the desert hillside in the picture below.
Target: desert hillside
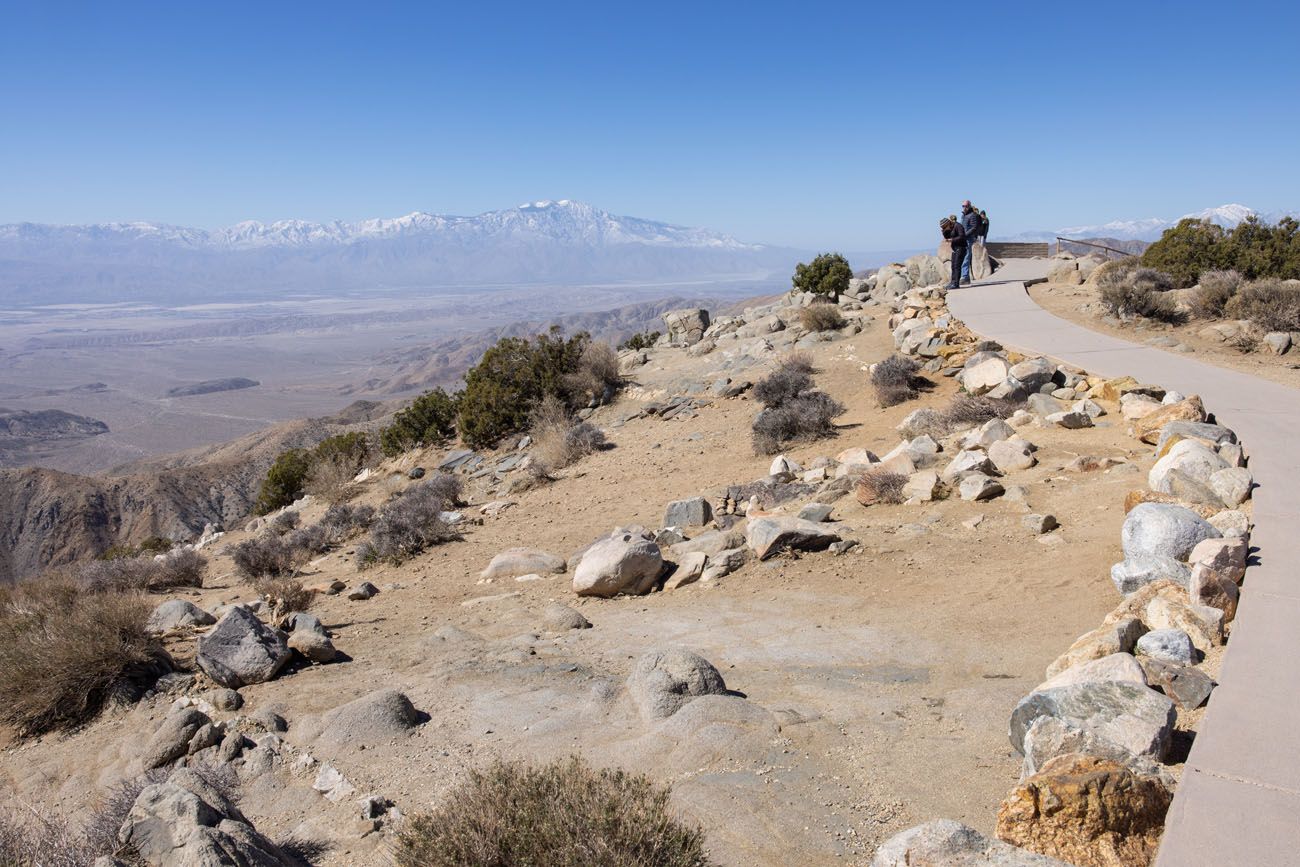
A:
(830, 655)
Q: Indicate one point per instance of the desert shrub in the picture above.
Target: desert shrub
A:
(265, 555)
(151, 545)
(827, 275)
(283, 593)
(1270, 305)
(882, 486)
(563, 813)
(821, 317)
(791, 378)
(412, 522)
(1216, 289)
(559, 439)
(1129, 289)
(807, 417)
(120, 574)
(66, 651)
(33, 836)
(284, 481)
(596, 378)
(896, 380)
(284, 522)
(344, 518)
(429, 420)
(969, 410)
(511, 378)
(182, 568)
(641, 340)
(330, 479)
(339, 523)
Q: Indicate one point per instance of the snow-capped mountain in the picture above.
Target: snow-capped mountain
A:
(539, 242)
(1152, 228)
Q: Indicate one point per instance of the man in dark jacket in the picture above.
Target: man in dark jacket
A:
(970, 224)
(955, 235)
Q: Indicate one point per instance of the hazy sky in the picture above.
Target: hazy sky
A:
(849, 125)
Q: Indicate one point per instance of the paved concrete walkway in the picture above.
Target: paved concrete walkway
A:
(1239, 799)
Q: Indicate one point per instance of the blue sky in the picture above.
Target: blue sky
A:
(821, 125)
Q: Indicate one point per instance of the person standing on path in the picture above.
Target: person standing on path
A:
(970, 224)
(955, 235)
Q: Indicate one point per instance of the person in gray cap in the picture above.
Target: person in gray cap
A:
(970, 224)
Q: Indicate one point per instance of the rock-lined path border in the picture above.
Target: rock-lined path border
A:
(1239, 799)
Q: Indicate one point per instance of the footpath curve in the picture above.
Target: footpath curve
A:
(1239, 799)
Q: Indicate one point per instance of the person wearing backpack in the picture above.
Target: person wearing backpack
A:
(955, 235)
(970, 224)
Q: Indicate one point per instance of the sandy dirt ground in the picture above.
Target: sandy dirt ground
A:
(873, 688)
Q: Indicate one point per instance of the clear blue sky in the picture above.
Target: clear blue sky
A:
(832, 125)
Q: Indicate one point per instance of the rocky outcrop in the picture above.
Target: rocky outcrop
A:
(945, 843)
(663, 681)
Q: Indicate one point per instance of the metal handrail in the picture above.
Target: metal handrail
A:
(1059, 239)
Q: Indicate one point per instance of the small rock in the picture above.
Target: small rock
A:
(1167, 645)
(1071, 420)
(226, 699)
(977, 486)
(768, 536)
(514, 562)
(1232, 485)
(415, 473)
(1040, 524)
(688, 571)
(1278, 342)
(627, 562)
(692, 512)
(364, 590)
(818, 513)
(1189, 687)
(177, 614)
(557, 617)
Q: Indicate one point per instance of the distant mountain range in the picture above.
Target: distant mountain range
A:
(1152, 228)
(541, 242)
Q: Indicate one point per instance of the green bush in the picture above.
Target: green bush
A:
(352, 448)
(511, 379)
(828, 275)
(429, 420)
(284, 481)
(1129, 289)
(642, 340)
(564, 813)
(1254, 248)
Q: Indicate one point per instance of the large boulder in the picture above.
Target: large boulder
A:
(513, 562)
(187, 822)
(1119, 667)
(1087, 811)
(984, 376)
(1148, 427)
(1189, 459)
(174, 737)
(686, 327)
(945, 843)
(1138, 719)
(626, 562)
(662, 681)
(241, 650)
(177, 614)
(378, 716)
(1050, 737)
(1118, 636)
(692, 512)
(768, 536)
(1163, 530)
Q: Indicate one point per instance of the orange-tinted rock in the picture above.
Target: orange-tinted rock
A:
(1148, 427)
(1138, 497)
(1087, 811)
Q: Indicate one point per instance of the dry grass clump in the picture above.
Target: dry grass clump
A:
(284, 594)
(181, 568)
(559, 439)
(1270, 305)
(265, 555)
(564, 813)
(793, 411)
(881, 486)
(330, 479)
(821, 317)
(596, 379)
(66, 651)
(39, 837)
(339, 523)
(1213, 293)
(412, 522)
(285, 522)
(895, 380)
(1129, 290)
